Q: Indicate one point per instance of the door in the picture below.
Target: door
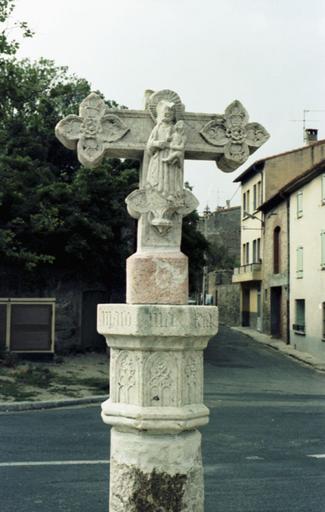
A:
(245, 307)
(276, 297)
(259, 311)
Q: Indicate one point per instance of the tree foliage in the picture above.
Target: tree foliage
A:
(52, 210)
(195, 246)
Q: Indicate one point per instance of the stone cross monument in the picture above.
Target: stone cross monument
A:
(156, 339)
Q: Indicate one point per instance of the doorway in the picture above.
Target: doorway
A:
(245, 307)
(276, 299)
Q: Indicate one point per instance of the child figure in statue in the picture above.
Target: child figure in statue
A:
(176, 156)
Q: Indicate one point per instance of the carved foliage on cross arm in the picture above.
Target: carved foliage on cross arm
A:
(233, 131)
(92, 131)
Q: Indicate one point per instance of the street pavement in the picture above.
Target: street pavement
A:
(263, 450)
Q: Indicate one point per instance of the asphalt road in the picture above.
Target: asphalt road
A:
(264, 449)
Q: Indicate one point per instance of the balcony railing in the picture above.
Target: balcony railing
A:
(250, 272)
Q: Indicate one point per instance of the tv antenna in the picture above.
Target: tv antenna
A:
(304, 120)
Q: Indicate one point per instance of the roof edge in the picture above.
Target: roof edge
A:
(293, 185)
(250, 171)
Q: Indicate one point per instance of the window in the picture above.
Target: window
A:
(247, 201)
(323, 188)
(276, 250)
(299, 204)
(322, 249)
(246, 253)
(258, 249)
(254, 251)
(299, 326)
(300, 262)
(259, 193)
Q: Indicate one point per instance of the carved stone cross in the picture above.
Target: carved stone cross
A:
(161, 136)
(156, 339)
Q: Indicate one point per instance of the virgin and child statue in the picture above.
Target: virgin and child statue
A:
(165, 148)
(162, 196)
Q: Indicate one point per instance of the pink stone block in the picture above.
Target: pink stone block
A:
(157, 278)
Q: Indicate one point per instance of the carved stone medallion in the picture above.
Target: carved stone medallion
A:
(92, 131)
(233, 131)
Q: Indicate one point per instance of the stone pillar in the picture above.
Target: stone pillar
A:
(156, 404)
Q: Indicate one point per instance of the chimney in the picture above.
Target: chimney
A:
(310, 135)
(227, 203)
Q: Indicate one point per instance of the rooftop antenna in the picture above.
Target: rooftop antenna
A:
(304, 120)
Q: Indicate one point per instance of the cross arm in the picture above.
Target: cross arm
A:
(120, 133)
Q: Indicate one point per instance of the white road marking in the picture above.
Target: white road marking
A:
(52, 463)
(254, 457)
(318, 456)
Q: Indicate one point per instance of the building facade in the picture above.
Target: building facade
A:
(307, 263)
(275, 279)
(266, 246)
(249, 274)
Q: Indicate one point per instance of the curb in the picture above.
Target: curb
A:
(51, 404)
(287, 350)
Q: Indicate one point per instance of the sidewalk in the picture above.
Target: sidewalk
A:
(277, 344)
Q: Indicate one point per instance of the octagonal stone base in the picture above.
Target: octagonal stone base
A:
(156, 365)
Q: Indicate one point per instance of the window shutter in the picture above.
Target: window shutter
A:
(300, 253)
(299, 204)
(322, 238)
(323, 188)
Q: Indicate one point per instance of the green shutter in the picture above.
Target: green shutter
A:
(300, 262)
(322, 239)
(299, 204)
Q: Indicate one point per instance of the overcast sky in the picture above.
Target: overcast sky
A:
(269, 54)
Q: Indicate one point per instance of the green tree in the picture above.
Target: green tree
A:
(52, 210)
(195, 246)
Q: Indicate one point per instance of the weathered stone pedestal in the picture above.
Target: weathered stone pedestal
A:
(156, 404)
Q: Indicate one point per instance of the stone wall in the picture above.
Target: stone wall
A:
(228, 301)
(223, 228)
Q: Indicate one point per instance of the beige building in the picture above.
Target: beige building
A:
(294, 286)
(307, 262)
(249, 273)
(264, 271)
